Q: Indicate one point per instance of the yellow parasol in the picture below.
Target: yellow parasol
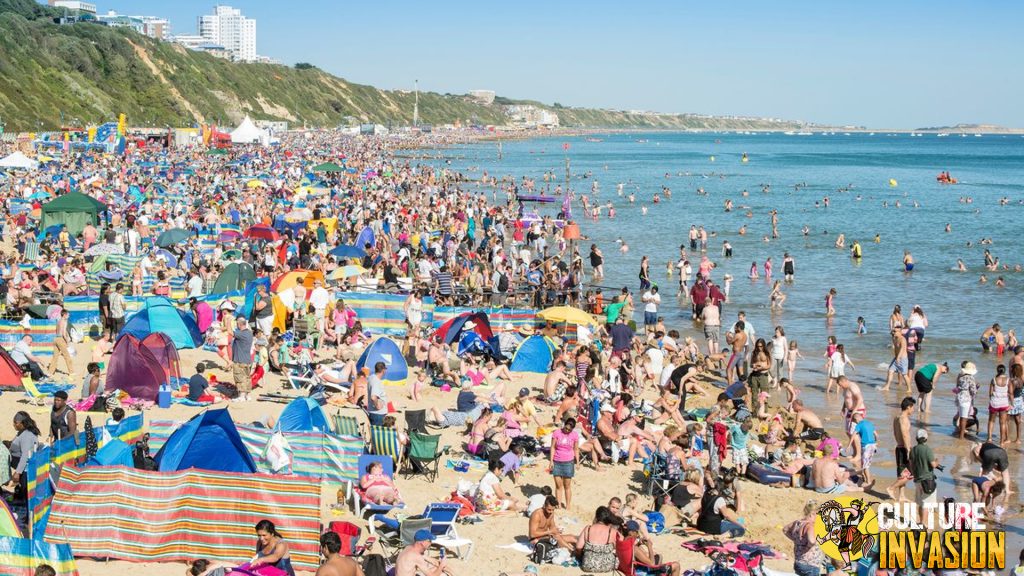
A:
(567, 314)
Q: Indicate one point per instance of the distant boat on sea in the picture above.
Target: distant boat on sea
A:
(977, 135)
(943, 134)
(805, 133)
(594, 140)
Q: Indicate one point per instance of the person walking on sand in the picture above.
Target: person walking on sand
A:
(898, 366)
(901, 434)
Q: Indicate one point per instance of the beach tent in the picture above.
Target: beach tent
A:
(248, 133)
(387, 351)
(209, 441)
(290, 279)
(73, 210)
(329, 167)
(133, 369)
(113, 453)
(10, 372)
(233, 277)
(162, 348)
(303, 415)
(452, 330)
(8, 525)
(533, 355)
(160, 315)
(18, 161)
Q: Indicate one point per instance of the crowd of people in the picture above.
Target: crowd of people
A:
(704, 415)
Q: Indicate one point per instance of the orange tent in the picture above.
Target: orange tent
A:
(290, 279)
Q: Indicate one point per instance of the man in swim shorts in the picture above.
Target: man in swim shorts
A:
(900, 363)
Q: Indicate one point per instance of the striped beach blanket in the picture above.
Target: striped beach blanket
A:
(314, 455)
(44, 466)
(20, 556)
(384, 313)
(127, 514)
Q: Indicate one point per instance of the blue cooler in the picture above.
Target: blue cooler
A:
(163, 398)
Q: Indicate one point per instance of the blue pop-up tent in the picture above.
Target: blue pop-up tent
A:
(533, 355)
(387, 351)
(303, 415)
(209, 441)
(160, 315)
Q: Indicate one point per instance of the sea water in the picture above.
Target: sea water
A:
(863, 176)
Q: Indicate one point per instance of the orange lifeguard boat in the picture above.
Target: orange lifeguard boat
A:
(945, 178)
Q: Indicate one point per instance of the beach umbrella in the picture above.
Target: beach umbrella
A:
(233, 254)
(345, 251)
(172, 237)
(261, 232)
(172, 261)
(229, 235)
(347, 272)
(255, 184)
(216, 152)
(329, 167)
(567, 314)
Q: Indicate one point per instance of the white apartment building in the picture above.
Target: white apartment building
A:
(227, 27)
(74, 5)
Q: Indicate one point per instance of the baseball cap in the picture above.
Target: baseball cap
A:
(633, 526)
(524, 391)
(423, 535)
(922, 434)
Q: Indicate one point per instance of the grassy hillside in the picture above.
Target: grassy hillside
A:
(92, 73)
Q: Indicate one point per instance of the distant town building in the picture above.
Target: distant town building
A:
(74, 5)
(201, 44)
(485, 97)
(529, 116)
(227, 27)
(151, 26)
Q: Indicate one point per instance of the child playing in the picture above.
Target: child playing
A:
(739, 436)
(791, 358)
(791, 393)
(631, 511)
(864, 443)
(836, 367)
(862, 328)
(419, 384)
(829, 301)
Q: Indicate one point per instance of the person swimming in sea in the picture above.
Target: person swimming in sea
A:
(908, 261)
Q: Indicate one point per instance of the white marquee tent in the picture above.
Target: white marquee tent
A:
(248, 133)
(19, 161)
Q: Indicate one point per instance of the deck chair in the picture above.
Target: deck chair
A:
(362, 506)
(425, 452)
(394, 535)
(443, 516)
(299, 377)
(661, 478)
(384, 442)
(347, 425)
(416, 421)
(33, 393)
(628, 564)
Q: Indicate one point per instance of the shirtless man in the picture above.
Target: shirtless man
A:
(853, 402)
(993, 339)
(413, 561)
(829, 477)
(738, 360)
(900, 362)
(335, 564)
(901, 433)
(556, 376)
(542, 526)
(808, 425)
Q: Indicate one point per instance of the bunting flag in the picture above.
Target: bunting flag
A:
(21, 556)
(141, 516)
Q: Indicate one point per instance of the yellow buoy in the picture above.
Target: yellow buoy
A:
(893, 182)
(712, 158)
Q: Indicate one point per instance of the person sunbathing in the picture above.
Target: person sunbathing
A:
(378, 487)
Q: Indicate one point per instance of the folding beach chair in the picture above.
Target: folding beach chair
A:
(299, 377)
(425, 452)
(359, 504)
(33, 393)
(416, 421)
(394, 535)
(443, 516)
(384, 442)
(347, 425)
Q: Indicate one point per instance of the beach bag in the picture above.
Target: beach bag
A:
(544, 551)
(349, 534)
(276, 453)
(655, 522)
(375, 565)
(529, 444)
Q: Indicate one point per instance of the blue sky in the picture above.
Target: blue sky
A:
(877, 63)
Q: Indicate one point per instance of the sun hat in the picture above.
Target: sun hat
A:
(969, 368)
(922, 434)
